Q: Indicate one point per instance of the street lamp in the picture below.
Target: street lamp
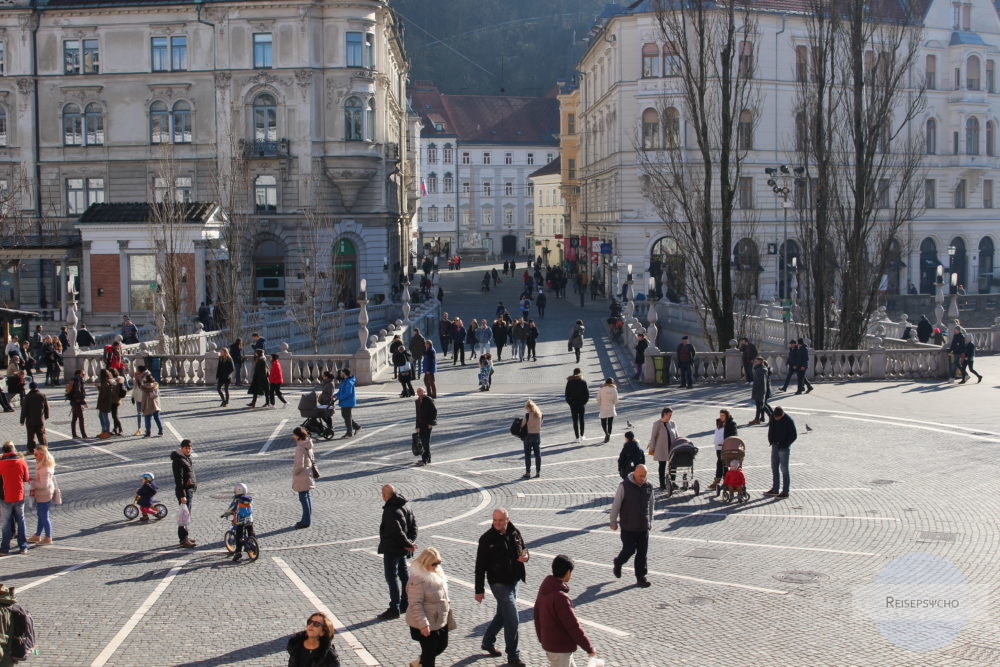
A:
(953, 306)
(775, 174)
(629, 294)
(939, 297)
(951, 265)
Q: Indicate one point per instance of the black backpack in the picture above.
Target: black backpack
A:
(22, 633)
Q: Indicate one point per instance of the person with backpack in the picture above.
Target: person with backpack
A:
(576, 339)
(968, 362)
(397, 542)
(685, 362)
(17, 629)
(76, 394)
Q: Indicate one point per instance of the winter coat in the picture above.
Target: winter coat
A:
(224, 369)
(418, 346)
(748, 353)
(761, 380)
(685, 353)
(458, 334)
(77, 393)
(640, 350)
(84, 338)
(302, 479)
(661, 439)
(427, 599)
(556, 625)
(43, 483)
(577, 393)
(183, 469)
(576, 338)
(346, 395)
(426, 412)
(14, 473)
(781, 433)
(104, 389)
(34, 408)
(924, 329)
(632, 507)
(500, 334)
(430, 360)
(150, 397)
(258, 383)
(484, 335)
(607, 399)
(326, 393)
(444, 329)
(398, 529)
(324, 656)
(276, 376)
(629, 457)
(519, 331)
(496, 558)
(236, 352)
(957, 346)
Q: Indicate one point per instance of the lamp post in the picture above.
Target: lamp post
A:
(652, 316)
(775, 174)
(953, 306)
(363, 315)
(629, 295)
(939, 297)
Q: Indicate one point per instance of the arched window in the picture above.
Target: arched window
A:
(930, 136)
(991, 77)
(72, 125)
(449, 182)
(265, 193)
(353, 120)
(991, 137)
(930, 73)
(801, 132)
(181, 121)
(345, 271)
(650, 60)
(666, 265)
(985, 264)
(747, 269)
(928, 265)
(672, 127)
(3, 126)
(671, 61)
(448, 156)
(972, 136)
(650, 129)
(745, 131)
(801, 64)
(972, 73)
(265, 118)
(432, 154)
(93, 125)
(159, 123)
(370, 121)
(432, 183)
(269, 272)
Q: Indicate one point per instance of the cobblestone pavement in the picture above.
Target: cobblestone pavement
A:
(883, 471)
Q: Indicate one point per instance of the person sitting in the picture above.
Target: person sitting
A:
(734, 480)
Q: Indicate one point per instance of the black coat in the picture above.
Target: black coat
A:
(84, 338)
(640, 350)
(258, 383)
(500, 334)
(324, 656)
(34, 408)
(924, 329)
(183, 470)
(630, 456)
(224, 369)
(577, 392)
(426, 411)
(496, 558)
(781, 433)
(398, 529)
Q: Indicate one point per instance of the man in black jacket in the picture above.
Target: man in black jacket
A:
(685, 362)
(500, 560)
(791, 361)
(396, 533)
(185, 485)
(781, 434)
(426, 420)
(802, 360)
(577, 394)
(34, 412)
(748, 352)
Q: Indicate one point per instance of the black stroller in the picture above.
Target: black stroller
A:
(315, 416)
(681, 459)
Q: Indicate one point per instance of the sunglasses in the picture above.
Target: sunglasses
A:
(316, 624)
(436, 563)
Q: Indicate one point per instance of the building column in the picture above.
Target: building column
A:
(199, 272)
(85, 273)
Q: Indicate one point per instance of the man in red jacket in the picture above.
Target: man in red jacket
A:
(14, 472)
(556, 624)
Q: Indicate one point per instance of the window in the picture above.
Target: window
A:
(449, 154)
(262, 50)
(81, 56)
(449, 214)
(181, 190)
(449, 182)
(168, 54)
(487, 217)
(487, 189)
(972, 73)
(265, 194)
(745, 131)
(571, 123)
(355, 50)
(930, 193)
(432, 154)
(83, 129)
(672, 127)
(991, 74)
(960, 194)
(801, 64)
(508, 217)
(508, 189)
(508, 158)
(801, 132)
(531, 158)
(972, 136)
(956, 14)
(930, 136)
(930, 73)
(466, 188)
(991, 136)
(571, 169)
(178, 53)
(265, 118)
(159, 123)
(369, 50)
(486, 158)
(82, 192)
(420, 214)
(432, 184)
(180, 119)
(3, 57)
(882, 193)
(987, 193)
(954, 141)
(966, 16)
(650, 60)
(3, 126)
(548, 158)
(671, 61)
(370, 120)
(141, 272)
(958, 78)
(746, 192)
(432, 214)
(353, 119)
(650, 129)
(466, 217)
(466, 157)
(746, 60)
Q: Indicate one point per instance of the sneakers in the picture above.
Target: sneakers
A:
(388, 615)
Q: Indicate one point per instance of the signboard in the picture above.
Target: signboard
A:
(595, 246)
(574, 242)
(605, 248)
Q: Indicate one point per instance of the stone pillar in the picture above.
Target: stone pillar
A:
(995, 335)
(211, 363)
(733, 362)
(877, 361)
(285, 359)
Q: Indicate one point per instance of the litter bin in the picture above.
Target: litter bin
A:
(153, 366)
(660, 366)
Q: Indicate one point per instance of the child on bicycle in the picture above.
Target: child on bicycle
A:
(145, 496)
(241, 509)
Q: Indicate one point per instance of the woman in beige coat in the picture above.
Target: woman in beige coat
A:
(43, 487)
(428, 606)
(151, 403)
(661, 439)
(607, 399)
(302, 478)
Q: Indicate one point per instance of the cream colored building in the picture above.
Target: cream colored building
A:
(550, 213)
(312, 93)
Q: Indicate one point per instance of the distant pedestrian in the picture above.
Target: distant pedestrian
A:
(430, 368)
(426, 420)
(924, 329)
(500, 559)
(576, 395)
(129, 332)
(137, 377)
(761, 391)
(429, 612)
(43, 488)
(404, 370)
(397, 360)
(790, 362)
(151, 404)
(968, 360)
(444, 333)
(519, 336)
(484, 338)
(347, 398)
(955, 351)
(725, 427)
(501, 332)
(258, 381)
(531, 341)
(257, 342)
(397, 542)
(540, 302)
(661, 441)
(556, 626)
(781, 434)
(802, 365)
(185, 485)
(630, 456)
(223, 372)
(34, 412)
(77, 395)
(607, 400)
(104, 390)
(417, 348)
(685, 362)
(13, 475)
(532, 439)
(313, 647)
(236, 352)
(84, 338)
(641, 344)
(748, 352)
(458, 334)
(633, 508)
(575, 342)
(302, 473)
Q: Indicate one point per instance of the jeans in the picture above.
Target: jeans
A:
(506, 618)
(6, 511)
(188, 495)
(396, 575)
(762, 409)
(445, 344)
(349, 422)
(149, 420)
(222, 386)
(517, 349)
(577, 412)
(431, 646)
(748, 371)
(44, 522)
(791, 372)
(238, 367)
(307, 508)
(424, 433)
(687, 376)
(533, 444)
(138, 416)
(105, 421)
(779, 463)
(418, 367)
(634, 542)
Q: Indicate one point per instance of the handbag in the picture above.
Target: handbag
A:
(57, 493)
(415, 446)
(451, 624)
(313, 469)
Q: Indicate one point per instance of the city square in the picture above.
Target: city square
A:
(880, 471)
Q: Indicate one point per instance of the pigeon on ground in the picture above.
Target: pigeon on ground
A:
(808, 427)
(629, 424)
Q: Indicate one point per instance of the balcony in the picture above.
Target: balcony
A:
(975, 98)
(278, 148)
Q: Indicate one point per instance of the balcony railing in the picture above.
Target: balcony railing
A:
(277, 148)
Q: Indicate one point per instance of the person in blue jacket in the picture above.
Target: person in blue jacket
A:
(430, 368)
(348, 401)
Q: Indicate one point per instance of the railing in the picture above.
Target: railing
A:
(916, 363)
(308, 369)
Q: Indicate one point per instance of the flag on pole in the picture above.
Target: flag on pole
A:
(423, 188)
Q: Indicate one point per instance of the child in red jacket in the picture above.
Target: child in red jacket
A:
(734, 480)
(275, 378)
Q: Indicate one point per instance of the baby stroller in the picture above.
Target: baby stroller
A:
(681, 458)
(315, 415)
(733, 449)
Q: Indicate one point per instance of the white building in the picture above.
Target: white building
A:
(476, 153)
(623, 86)
(550, 213)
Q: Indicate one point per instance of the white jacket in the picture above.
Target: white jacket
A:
(427, 599)
(607, 399)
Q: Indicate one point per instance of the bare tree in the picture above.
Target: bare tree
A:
(312, 297)
(18, 225)
(175, 274)
(694, 182)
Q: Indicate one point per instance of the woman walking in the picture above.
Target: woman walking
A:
(151, 404)
(258, 381)
(140, 373)
(531, 340)
(428, 606)
(43, 488)
(302, 477)
(223, 372)
(607, 399)
(532, 439)
(484, 338)
(104, 390)
(500, 335)
(275, 379)
(77, 396)
(725, 427)
(576, 339)
(118, 392)
(348, 400)
(313, 647)
(577, 394)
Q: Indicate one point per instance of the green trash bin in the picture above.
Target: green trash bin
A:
(660, 366)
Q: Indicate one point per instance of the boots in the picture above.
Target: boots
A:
(715, 484)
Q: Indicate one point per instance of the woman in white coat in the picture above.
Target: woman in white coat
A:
(428, 606)
(607, 399)
(43, 488)
(302, 478)
(661, 440)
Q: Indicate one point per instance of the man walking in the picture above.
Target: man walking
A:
(185, 485)
(802, 364)
(426, 420)
(748, 351)
(640, 355)
(576, 395)
(519, 336)
(633, 507)
(396, 533)
(34, 412)
(500, 561)
(558, 630)
(781, 434)
(417, 349)
(444, 333)
(760, 392)
(14, 475)
(685, 362)
(430, 368)
(792, 360)
(458, 334)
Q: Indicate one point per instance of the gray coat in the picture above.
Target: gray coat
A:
(658, 446)
(761, 380)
